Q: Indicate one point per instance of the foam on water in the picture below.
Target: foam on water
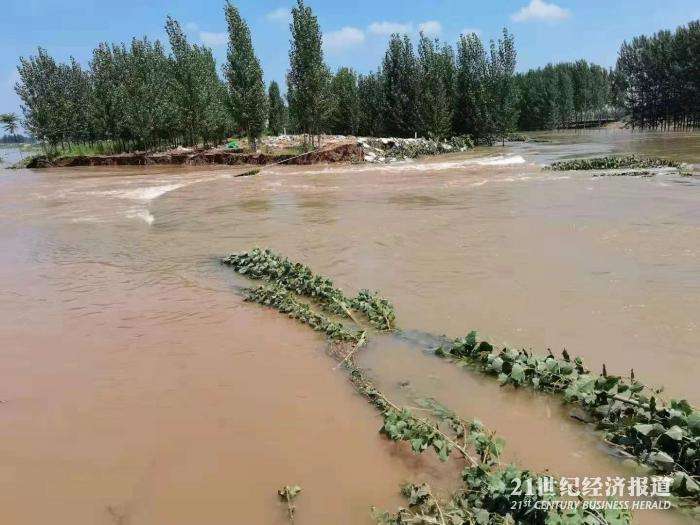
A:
(412, 165)
(501, 160)
(147, 193)
(144, 215)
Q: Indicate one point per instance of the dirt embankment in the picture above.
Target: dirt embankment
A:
(348, 152)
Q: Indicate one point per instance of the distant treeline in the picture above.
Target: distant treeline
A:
(659, 78)
(135, 95)
(14, 139)
(562, 95)
(435, 92)
(142, 96)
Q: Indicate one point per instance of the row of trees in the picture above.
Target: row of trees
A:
(659, 78)
(141, 96)
(429, 91)
(137, 96)
(564, 95)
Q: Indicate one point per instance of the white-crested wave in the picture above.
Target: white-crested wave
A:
(412, 165)
(146, 193)
(143, 215)
(501, 160)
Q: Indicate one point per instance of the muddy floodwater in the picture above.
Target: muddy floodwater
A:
(138, 388)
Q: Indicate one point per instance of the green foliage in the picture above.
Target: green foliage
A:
(371, 104)
(662, 435)
(345, 111)
(657, 78)
(472, 102)
(288, 493)
(560, 95)
(248, 101)
(608, 163)
(436, 70)
(300, 279)
(133, 97)
(308, 76)
(400, 87)
(277, 116)
(199, 95)
(283, 300)
(10, 122)
(503, 89)
(487, 494)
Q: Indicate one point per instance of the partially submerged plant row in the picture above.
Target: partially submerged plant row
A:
(614, 162)
(486, 495)
(298, 278)
(665, 436)
(283, 300)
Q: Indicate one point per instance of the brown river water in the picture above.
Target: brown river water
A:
(138, 388)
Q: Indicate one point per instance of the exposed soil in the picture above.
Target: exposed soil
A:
(344, 152)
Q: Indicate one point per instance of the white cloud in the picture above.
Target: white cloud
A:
(343, 38)
(430, 28)
(541, 10)
(281, 14)
(469, 30)
(191, 26)
(213, 39)
(387, 28)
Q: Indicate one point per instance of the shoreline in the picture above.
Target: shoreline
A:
(345, 152)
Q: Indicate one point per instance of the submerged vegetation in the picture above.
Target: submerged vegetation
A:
(298, 278)
(288, 494)
(633, 417)
(614, 162)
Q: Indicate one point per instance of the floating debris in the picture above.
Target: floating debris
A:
(288, 493)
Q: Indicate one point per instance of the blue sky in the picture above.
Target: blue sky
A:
(355, 31)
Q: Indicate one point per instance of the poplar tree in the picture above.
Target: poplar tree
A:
(345, 111)
(277, 110)
(371, 105)
(400, 82)
(504, 94)
(308, 76)
(435, 96)
(472, 114)
(198, 93)
(248, 101)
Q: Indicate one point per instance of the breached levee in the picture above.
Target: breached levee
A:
(662, 435)
(346, 152)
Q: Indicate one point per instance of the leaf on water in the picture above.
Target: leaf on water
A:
(694, 423)
(289, 492)
(662, 461)
(517, 373)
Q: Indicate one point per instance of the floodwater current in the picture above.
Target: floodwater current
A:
(138, 388)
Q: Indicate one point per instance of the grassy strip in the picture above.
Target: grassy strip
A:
(297, 277)
(665, 436)
(614, 162)
(486, 496)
